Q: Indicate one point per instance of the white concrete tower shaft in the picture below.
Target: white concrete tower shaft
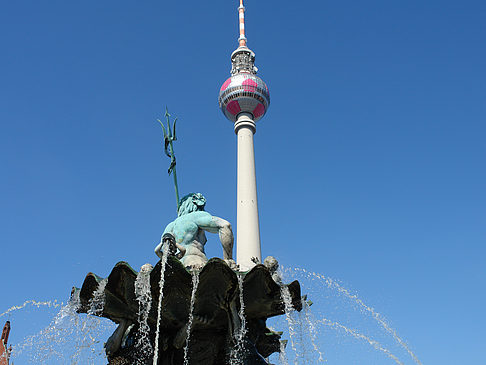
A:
(247, 227)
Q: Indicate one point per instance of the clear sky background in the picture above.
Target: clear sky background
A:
(370, 162)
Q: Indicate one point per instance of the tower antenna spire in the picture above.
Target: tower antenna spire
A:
(241, 11)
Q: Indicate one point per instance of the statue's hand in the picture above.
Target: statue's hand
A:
(232, 264)
(182, 251)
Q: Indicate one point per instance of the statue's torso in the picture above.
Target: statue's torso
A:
(188, 234)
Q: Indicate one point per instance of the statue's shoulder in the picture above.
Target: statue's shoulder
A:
(198, 215)
(169, 227)
(193, 217)
(199, 218)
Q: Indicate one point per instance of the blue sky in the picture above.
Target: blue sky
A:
(370, 162)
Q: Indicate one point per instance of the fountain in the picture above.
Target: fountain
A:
(188, 313)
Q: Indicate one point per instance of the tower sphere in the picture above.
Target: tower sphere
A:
(244, 93)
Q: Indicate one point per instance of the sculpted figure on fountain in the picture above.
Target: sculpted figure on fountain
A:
(188, 233)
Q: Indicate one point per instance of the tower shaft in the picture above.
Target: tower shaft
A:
(248, 228)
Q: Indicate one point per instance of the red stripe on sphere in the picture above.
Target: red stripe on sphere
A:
(226, 84)
(249, 85)
(258, 111)
(233, 107)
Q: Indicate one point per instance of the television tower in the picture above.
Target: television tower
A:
(244, 99)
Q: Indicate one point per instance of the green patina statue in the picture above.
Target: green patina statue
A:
(189, 233)
(188, 230)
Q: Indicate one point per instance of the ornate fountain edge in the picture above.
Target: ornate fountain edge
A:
(215, 307)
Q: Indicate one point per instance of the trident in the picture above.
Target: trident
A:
(169, 137)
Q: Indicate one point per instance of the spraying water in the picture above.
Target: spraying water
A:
(237, 351)
(49, 304)
(358, 335)
(97, 302)
(283, 355)
(333, 284)
(309, 321)
(69, 338)
(144, 299)
(287, 300)
(159, 306)
(195, 283)
(304, 354)
(49, 332)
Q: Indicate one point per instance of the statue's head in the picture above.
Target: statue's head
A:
(191, 203)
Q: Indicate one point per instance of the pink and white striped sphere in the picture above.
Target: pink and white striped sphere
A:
(244, 93)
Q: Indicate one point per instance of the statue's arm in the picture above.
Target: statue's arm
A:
(158, 248)
(223, 227)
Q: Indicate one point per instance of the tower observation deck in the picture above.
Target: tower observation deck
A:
(244, 99)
